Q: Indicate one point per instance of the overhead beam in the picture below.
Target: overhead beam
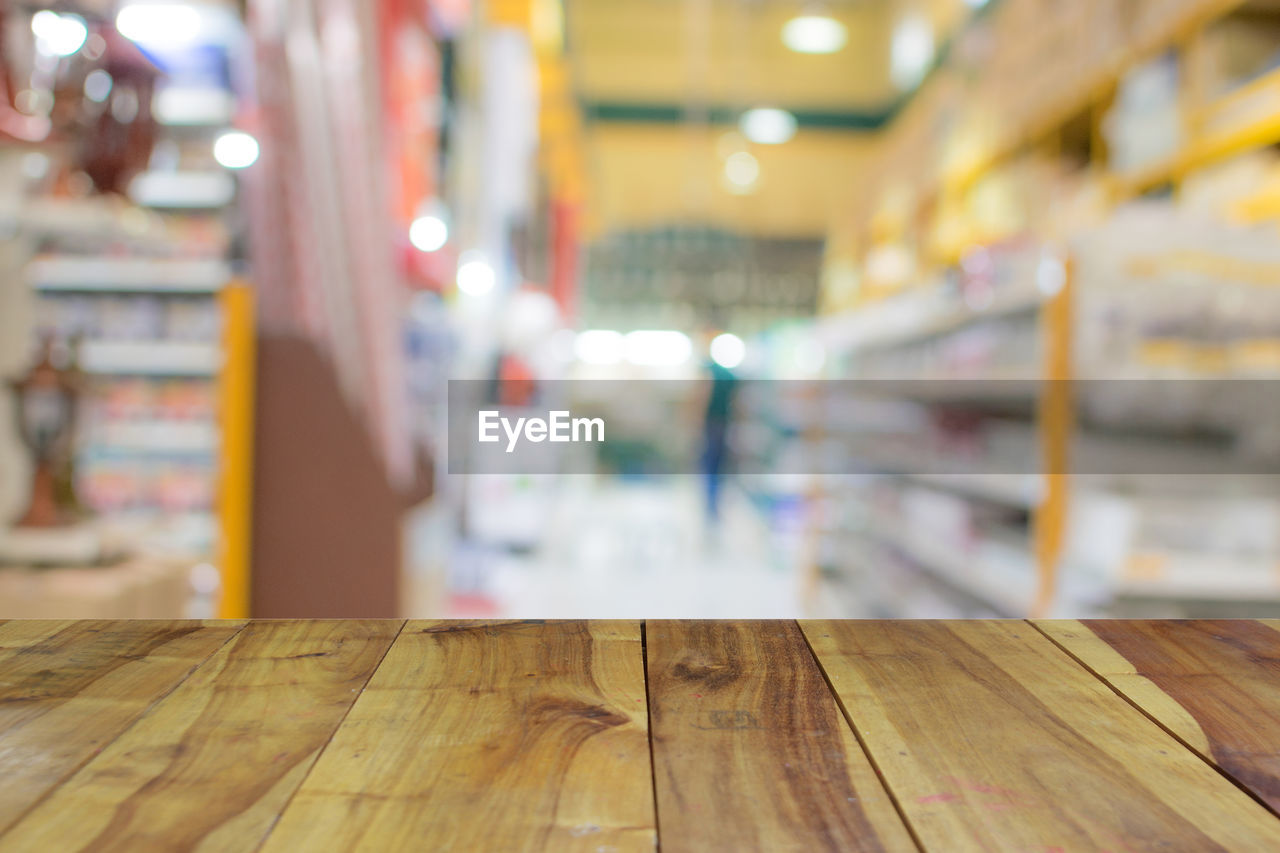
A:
(856, 120)
(630, 112)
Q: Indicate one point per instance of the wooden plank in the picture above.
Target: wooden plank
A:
(1215, 684)
(67, 689)
(750, 750)
(992, 738)
(498, 736)
(210, 766)
(21, 633)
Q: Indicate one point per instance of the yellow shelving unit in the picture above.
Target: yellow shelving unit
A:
(1218, 128)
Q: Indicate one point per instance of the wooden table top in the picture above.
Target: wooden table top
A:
(611, 736)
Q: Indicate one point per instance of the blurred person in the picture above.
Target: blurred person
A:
(720, 391)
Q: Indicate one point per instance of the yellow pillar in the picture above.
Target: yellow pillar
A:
(235, 462)
(1056, 419)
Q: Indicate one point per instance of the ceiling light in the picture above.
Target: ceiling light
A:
(235, 149)
(196, 104)
(178, 189)
(814, 34)
(910, 52)
(97, 85)
(1051, 275)
(475, 274)
(58, 34)
(728, 350)
(741, 170)
(664, 348)
(428, 233)
(766, 126)
(598, 346)
(159, 25)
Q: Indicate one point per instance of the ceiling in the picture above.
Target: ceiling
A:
(661, 82)
(644, 176)
(725, 52)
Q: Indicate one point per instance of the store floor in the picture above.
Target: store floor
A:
(612, 549)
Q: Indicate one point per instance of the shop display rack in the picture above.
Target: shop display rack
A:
(1047, 247)
(137, 289)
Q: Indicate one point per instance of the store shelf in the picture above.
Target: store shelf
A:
(155, 358)
(128, 275)
(1127, 185)
(158, 436)
(1174, 288)
(956, 570)
(1246, 591)
(194, 106)
(1094, 85)
(91, 218)
(1244, 120)
(916, 316)
(1200, 577)
(183, 190)
(1016, 490)
(987, 386)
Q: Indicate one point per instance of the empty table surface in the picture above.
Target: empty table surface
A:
(610, 736)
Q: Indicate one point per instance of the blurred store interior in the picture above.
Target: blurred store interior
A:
(244, 246)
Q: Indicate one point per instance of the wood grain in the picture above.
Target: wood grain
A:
(992, 738)
(210, 766)
(750, 750)
(499, 736)
(68, 688)
(1214, 683)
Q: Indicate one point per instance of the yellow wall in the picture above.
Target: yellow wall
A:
(643, 51)
(729, 53)
(644, 175)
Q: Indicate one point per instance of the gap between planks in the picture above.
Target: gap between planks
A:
(648, 726)
(147, 782)
(263, 841)
(1076, 662)
(643, 625)
(848, 719)
(1222, 771)
(88, 757)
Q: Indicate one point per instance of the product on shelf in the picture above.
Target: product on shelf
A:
(1134, 142)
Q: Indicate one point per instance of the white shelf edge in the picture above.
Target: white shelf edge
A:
(208, 190)
(952, 570)
(162, 358)
(127, 275)
(869, 323)
(993, 489)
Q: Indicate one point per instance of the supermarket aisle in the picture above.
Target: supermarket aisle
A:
(613, 549)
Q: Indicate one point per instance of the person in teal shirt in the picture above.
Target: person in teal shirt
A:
(715, 435)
